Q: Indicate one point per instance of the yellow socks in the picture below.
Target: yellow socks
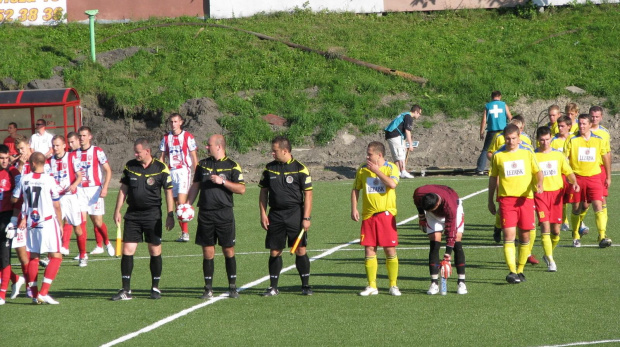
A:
(392, 269)
(547, 245)
(555, 239)
(524, 252)
(509, 255)
(371, 271)
(601, 224)
(532, 239)
(575, 222)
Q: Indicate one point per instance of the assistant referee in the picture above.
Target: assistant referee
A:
(287, 186)
(141, 184)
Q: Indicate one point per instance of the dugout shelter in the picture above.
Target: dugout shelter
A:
(59, 107)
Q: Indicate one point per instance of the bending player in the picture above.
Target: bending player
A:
(178, 147)
(377, 181)
(549, 203)
(513, 171)
(93, 163)
(65, 170)
(41, 216)
(440, 209)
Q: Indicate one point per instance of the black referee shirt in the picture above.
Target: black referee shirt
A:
(144, 188)
(287, 183)
(216, 196)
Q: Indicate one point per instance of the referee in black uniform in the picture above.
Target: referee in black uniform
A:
(141, 184)
(287, 186)
(217, 178)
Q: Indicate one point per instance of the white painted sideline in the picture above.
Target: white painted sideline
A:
(244, 287)
(583, 343)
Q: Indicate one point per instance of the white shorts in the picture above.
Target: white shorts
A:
(181, 179)
(436, 224)
(71, 209)
(20, 239)
(90, 201)
(44, 238)
(397, 147)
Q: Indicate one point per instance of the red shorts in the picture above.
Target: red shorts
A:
(517, 212)
(379, 230)
(549, 206)
(603, 177)
(591, 189)
(567, 191)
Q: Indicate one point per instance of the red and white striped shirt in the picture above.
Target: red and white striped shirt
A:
(89, 163)
(178, 148)
(64, 170)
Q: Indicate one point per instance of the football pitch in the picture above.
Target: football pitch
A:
(577, 305)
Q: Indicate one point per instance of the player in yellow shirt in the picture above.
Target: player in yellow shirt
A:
(514, 170)
(549, 203)
(585, 153)
(376, 181)
(553, 113)
(572, 110)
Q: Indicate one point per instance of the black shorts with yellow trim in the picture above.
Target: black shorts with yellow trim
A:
(143, 230)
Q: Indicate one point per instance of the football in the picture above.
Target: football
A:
(185, 212)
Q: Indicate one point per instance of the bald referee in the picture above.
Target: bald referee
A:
(287, 186)
(141, 184)
(217, 178)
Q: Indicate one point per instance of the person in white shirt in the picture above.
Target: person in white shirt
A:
(41, 140)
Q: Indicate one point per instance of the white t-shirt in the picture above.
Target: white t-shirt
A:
(41, 143)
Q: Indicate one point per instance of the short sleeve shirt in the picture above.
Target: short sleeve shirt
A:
(287, 183)
(584, 155)
(407, 124)
(515, 170)
(553, 165)
(376, 197)
(216, 196)
(41, 143)
(144, 187)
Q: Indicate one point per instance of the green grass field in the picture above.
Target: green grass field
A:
(578, 303)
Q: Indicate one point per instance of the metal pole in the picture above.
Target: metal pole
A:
(91, 20)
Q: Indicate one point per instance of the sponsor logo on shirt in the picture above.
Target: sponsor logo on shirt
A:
(375, 186)
(514, 168)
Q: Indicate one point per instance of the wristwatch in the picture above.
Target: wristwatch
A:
(306, 218)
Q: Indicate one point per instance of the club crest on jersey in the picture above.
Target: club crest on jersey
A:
(514, 168)
(150, 181)
(3, 183)
(586, 154)
(289, 179)
(35, 216)
(375, 186)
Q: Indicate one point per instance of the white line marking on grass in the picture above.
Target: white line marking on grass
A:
(244, 287)
(583, 343)
(216, 299)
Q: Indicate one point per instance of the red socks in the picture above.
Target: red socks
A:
(67, 229)
(31, 276)
(50, 274)
(5, 275)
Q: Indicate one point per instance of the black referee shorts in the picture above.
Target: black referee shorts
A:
(284, 225)
(136, 229)
(5, 244)
(216, 227)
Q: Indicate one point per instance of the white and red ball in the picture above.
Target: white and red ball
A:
(185, 212)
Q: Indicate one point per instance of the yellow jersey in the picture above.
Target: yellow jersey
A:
(499, 141)
(515, 170)
(553, 165)
(585, 156)
(376, 197)
(554, 128)
(604, 133)
(558, 143)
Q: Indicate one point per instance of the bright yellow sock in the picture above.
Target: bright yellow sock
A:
(565, 212)
(605, 209)
(575, 222)
(392, 269)
(601, 224)
(371, 271)
(532, 239)
(498, 221)
(584, 213)
(555, 239)
(524, 252)
(547, 246)
(509, 255)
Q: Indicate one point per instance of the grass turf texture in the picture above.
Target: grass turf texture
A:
(575, 304)
(464, 55)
